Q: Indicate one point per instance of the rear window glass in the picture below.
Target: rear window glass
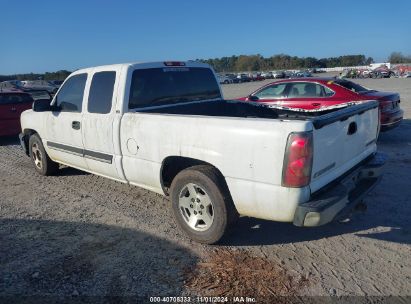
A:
(170, 85)
(101, 92)
(351, 86)
(15, 98)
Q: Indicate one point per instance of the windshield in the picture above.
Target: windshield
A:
(351, 86)
(161, 86)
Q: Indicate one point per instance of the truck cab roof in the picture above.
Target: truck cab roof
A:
(145, 65)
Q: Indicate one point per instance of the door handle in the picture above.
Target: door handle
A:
(316, 104)
(75, 125)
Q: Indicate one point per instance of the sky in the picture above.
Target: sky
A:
(44, 35)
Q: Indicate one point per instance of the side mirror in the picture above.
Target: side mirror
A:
(253, 98)
(42, 105)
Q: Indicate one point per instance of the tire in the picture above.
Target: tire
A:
(202, 204)
(41, 161)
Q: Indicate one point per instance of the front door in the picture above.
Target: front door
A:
(271, 94)
(63, 140)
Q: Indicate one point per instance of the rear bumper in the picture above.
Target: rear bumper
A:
(334, 201)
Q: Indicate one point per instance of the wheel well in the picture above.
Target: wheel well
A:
(173, 165)
(27, 133)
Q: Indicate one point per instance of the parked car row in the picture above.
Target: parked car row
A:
(380, 72)
(259, 76)
(26, 85)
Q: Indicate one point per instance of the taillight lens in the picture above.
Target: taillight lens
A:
(298, 160)
(386, 106)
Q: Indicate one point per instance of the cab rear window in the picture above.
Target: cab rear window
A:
(15, 98)
(172, 85)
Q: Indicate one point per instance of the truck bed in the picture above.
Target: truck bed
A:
(224, 108)
(236, 108)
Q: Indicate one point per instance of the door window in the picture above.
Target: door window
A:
(70, 97)
(101, 92)
(273, 91)
(308, 90)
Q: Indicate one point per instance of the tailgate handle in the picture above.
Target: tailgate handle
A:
(352, 128)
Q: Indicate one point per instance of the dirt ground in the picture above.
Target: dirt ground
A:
(77, 234)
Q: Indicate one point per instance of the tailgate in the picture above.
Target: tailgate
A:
(342, 139)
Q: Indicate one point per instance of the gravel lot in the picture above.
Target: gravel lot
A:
(78, 234)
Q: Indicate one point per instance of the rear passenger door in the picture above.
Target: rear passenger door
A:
(99, 123)
(307, 95)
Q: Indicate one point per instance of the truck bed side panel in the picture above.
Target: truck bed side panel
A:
(253, 175)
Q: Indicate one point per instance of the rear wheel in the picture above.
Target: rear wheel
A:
(42, 162)
(202, 204)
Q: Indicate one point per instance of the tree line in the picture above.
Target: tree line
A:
(244, 63)
(398, 57)
(282, 62)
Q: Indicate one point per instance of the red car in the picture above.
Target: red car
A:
(316, 93)
(12, 104)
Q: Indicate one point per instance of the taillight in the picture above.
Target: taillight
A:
(298, 160)
(174, 63)
(386, 106)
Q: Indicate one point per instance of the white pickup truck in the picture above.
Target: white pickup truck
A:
(165, 127)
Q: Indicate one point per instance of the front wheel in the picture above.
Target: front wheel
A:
(202, 204)
(42, 162)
